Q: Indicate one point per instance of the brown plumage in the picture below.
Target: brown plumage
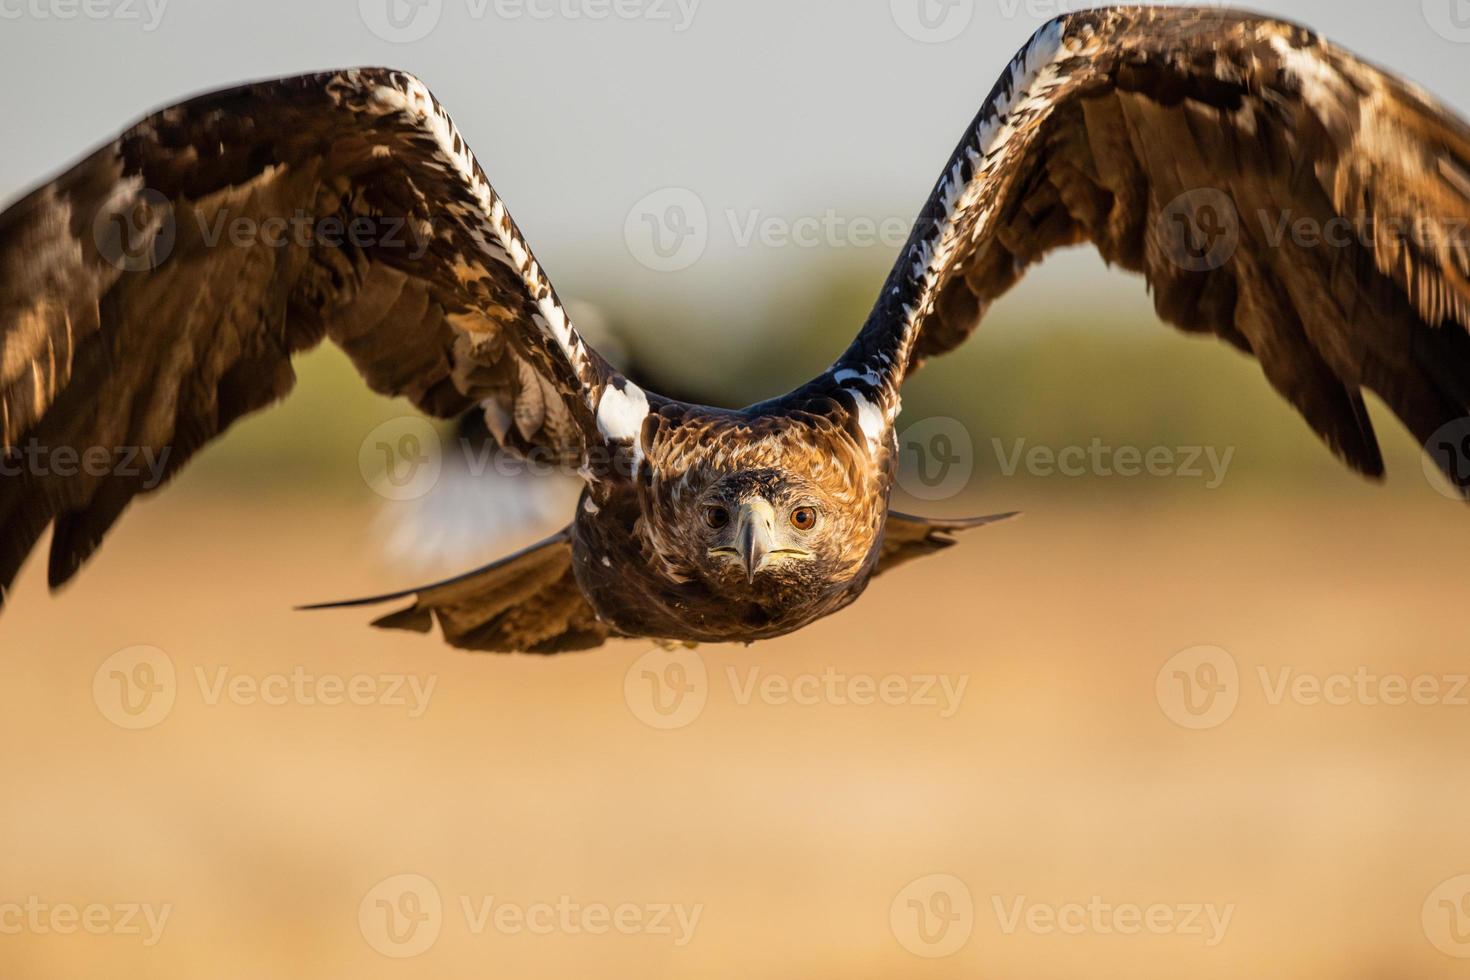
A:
(1185, 144)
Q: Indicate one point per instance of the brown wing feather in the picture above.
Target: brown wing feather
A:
(906, 537)
(155, 293)
(526, 603)
(1143, 130)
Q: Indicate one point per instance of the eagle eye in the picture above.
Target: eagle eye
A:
(804, 518)
(716, 517)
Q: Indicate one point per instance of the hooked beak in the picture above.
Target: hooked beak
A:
(755, 530)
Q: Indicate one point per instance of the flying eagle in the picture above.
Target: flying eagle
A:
(127, 321)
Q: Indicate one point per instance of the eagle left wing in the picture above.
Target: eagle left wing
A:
(1273, 189)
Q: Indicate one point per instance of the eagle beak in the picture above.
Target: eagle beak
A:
(755, 534)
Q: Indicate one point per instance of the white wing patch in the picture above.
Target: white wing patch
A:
(872, 419)
(620, 416)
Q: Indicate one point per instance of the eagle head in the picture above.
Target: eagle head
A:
(778, 539)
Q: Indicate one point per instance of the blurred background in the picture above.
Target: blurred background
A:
(1199, 716)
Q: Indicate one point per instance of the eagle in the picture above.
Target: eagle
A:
(132, 316)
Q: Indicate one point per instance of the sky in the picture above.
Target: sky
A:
(795, 127)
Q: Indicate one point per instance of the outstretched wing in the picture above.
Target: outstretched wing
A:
(527, 603)
(906, 537)
(1273, 189)
(155, 293)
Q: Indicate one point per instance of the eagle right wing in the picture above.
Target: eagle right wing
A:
(156, 292)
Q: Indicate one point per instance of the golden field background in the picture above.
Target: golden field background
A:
(794, 827)
(1330, 833)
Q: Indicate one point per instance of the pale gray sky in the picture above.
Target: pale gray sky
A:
(837, 111)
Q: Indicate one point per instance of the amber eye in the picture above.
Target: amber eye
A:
(716, 517)
(804, 518)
